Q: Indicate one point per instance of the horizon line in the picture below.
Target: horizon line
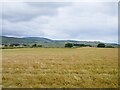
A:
(61, 39)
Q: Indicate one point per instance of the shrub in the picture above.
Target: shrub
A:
(102, 45)
(39, 45)
(34, 45)
(69, 45)
(82, 45)
(109, 47)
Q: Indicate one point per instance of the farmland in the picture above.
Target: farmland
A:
(60, 68)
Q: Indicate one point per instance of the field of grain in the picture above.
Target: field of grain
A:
(60, 68)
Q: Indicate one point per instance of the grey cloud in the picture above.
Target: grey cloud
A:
(78, 21)
(25, 12)
(20, 33)
(21, 29)
(49, 4)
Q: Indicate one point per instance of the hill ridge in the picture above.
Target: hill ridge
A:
(46, 41)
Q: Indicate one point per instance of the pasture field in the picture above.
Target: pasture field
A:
(60, 68)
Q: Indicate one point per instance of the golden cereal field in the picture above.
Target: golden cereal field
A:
(60, 68)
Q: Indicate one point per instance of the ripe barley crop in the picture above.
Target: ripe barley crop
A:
(60, 67)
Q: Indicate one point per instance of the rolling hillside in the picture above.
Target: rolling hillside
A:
(46, 42)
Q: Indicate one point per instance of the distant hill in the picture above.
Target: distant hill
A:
(47, 42)
(23, 40)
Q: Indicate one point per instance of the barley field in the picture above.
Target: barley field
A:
(60, 68)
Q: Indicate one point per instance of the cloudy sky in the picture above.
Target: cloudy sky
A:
(91, 21)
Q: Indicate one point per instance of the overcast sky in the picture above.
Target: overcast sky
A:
(61, 20)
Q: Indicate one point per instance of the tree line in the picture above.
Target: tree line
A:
(100, 45)
(67, 45)
(4, 46)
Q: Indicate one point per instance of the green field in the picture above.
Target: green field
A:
(60, 68)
